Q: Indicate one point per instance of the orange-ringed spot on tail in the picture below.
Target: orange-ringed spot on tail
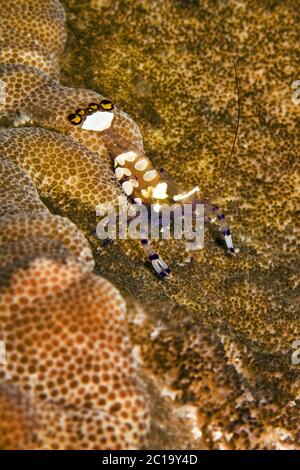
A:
(107, 105)
(92, 108)
(75, 119)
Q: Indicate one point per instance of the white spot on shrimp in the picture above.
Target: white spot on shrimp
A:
(119, 160)
(119, 173)
(98, 121)
(127, 187)
(126, 156)
(160, 191)
(141, 165)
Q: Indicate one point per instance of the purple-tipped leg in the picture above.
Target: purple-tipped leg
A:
(215, 213)
(160, 267)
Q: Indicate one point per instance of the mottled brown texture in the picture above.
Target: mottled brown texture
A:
(68, 174)
(68, 352)
(25, 236)
(45, 27)
(170, 66)
(218, 335)
(17, 422)
(69, 380)
(36, 57)
(17, 191)
(35, 424)
(29, 230)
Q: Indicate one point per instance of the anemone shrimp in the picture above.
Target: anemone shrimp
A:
(95, 122)
(142, 183)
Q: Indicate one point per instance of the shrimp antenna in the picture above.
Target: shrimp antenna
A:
(221, 183)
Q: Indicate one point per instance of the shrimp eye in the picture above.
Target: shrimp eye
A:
(75, 119)
(81, 112)
(107, 105)
(92, 108)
